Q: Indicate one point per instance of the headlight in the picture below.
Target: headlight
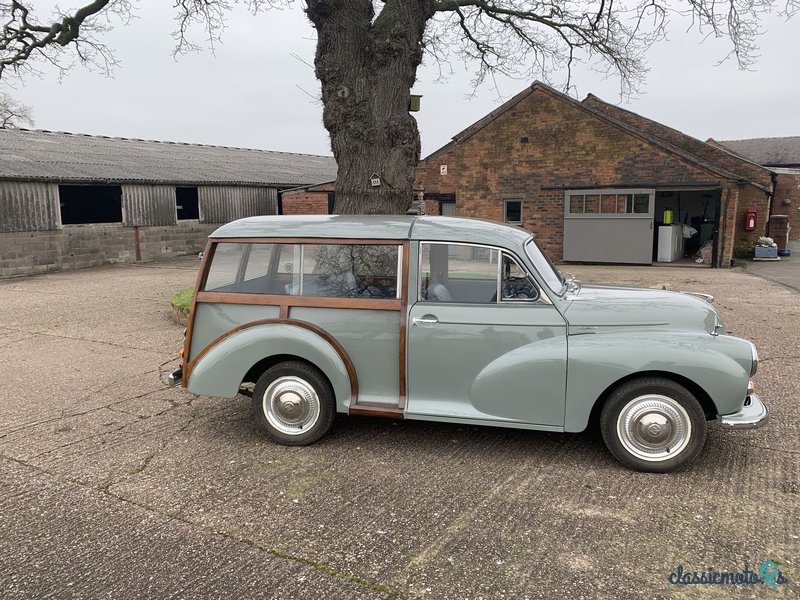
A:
(754, 352)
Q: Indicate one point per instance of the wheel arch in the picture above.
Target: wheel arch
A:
(243, 353)
(706, 403)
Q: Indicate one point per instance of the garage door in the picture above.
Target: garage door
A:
(610, 226)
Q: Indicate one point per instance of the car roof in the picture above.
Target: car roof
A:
(381, 227)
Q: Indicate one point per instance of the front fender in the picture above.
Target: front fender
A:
(220, 368)
(597, 361)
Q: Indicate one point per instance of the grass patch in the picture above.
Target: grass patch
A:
(182, 301)
(181, 304)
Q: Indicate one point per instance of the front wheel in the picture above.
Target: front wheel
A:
(293, 403)
(653, 424)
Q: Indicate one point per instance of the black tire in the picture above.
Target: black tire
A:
(293, 403)
(653, 424)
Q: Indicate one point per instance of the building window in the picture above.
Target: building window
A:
(608, 203)
(186, 204)
(513, 211)
(90, 204)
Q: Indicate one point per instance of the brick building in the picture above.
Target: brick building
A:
(782, 157)
(595, 182)
(317, 199)
(71, 201)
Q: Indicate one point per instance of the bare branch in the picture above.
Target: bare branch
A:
(539, 38)
(210, 15)
(14, 114)
(25, 39)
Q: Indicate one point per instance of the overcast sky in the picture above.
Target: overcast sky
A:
(254, 93)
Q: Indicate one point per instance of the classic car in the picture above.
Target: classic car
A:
(455, 320)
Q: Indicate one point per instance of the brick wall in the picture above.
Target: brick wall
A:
(545, 145)
(787, 201)
(305, 203)
(79, 246)
(750, 197)
(432, 207)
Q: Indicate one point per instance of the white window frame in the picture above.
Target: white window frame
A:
(607, 191)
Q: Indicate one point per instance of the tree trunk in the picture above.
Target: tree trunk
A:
(366, 66)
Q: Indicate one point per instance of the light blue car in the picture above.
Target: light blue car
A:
(455, 320)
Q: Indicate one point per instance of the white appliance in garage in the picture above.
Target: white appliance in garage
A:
(670, 243)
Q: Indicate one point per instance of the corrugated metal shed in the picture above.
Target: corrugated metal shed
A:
(65, 157)
(28, 206)
(220, 204)
(148, 205)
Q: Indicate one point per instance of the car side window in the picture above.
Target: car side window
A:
(467, 274)
(350, 270)
(254, 268)
(224, 267)
(516, 285)
(333, 270)
(458, 273)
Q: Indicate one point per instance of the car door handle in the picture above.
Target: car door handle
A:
(425, 320)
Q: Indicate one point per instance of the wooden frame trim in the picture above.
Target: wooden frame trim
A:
(348, 363)
(286, 302)
(289, 301)
(199, 283)
(377, 410)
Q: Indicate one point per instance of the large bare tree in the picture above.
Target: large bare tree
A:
(368, 52)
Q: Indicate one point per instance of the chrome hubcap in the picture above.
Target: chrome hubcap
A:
(291, 405)
(654, 427)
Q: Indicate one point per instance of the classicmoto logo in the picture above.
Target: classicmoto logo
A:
(767, 574)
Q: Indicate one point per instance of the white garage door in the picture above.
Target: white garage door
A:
(610, 226)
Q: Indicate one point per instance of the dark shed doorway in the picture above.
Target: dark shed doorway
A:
(695, 218)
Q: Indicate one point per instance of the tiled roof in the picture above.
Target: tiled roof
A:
(58, 156)
(782, 151)
(679, 144)
(703, 152)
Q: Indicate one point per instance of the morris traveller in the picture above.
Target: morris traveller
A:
(455, 320)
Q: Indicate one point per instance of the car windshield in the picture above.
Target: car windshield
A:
(545, 266)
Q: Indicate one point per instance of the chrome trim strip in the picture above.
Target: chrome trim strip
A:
(400, 274)
(707, 297)
(754, 356)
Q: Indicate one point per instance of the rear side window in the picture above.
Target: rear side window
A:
(350, 271)
(225, 266)
(331, 270)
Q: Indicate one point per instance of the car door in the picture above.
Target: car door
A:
(483, 342)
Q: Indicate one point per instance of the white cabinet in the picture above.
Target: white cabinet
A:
(670, 243)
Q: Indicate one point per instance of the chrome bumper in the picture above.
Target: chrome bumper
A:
(754, 414)
(175, 378)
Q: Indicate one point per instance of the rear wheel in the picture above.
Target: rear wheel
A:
(293, 403)
(653, 424)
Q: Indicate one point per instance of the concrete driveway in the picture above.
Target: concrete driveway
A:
(786, 271)
(114, 485)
